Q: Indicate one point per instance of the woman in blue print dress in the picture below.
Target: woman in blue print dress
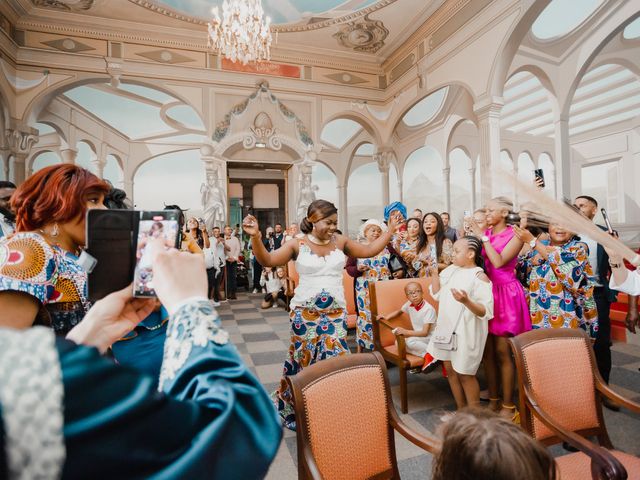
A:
(373, 269)
(318, 308)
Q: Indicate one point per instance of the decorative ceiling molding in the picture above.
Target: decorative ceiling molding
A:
(364, 36)
(346, 78)
(68, 5)
(68, 45)
(165, 56)
(283, 56)
(315, 23)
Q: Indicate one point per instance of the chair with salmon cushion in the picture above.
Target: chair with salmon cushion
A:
(335, 442)
(387, 297)
(560, 393)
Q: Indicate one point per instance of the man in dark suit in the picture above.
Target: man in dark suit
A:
(603, 295)
(278, 236)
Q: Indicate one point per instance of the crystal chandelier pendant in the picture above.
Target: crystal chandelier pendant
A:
(240, 34)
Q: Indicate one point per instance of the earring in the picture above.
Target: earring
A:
(56, 231)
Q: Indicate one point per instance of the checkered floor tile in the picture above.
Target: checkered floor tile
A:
(262, 338)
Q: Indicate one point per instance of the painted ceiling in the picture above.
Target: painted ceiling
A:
(280, 11)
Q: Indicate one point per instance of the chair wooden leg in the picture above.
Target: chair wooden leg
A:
(403, 390)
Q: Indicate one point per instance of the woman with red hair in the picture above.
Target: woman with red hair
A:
(41, 281)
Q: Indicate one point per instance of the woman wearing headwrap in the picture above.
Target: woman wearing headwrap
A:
(396, 209)
(372, 269)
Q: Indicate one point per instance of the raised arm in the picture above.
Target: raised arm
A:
(281, 256)
(509, 253)
(360, 250)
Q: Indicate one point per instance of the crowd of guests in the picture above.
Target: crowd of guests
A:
(497, 276)
(136, 387)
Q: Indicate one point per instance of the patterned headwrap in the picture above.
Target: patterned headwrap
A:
(395, 206)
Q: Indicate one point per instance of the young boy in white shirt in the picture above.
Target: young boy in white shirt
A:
(423, 319)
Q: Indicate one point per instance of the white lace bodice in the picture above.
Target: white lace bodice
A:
(318, 274)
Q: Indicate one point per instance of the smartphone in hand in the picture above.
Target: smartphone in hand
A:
(152, 225)
(539, 177)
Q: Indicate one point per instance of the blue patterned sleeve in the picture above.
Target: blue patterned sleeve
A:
(28, 265)
(210, 419)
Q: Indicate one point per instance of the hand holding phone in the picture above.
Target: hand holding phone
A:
(607, 222)
(162, 227)
(538, 174)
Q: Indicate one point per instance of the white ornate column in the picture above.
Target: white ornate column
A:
(343, 214)
(214, 189)
(446, 180)
(400, 194)
(99, 161)
(68, 155)
(383, 159)
(472, 175)
(562, 158)
(487, 112)
(20, 139)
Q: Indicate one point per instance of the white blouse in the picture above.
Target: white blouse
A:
(319, 274)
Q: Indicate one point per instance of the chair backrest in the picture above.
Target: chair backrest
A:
(557, 367)
(389, 296)
(347, 281)
(292, 273)
(344, 443)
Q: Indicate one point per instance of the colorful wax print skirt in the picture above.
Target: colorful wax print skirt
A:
(316, 334)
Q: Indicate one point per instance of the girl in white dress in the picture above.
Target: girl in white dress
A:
(466, 306)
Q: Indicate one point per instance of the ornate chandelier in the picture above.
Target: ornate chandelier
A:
(241, 34)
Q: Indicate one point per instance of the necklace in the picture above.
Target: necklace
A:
(316, 240)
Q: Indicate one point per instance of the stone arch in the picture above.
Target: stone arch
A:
(360, 119)
(160, 154)
(586, 64)
(509, 47)
(450, 140)
(44, 98)
(34, 156)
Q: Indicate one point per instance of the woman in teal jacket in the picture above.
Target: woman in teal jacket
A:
(69, 412)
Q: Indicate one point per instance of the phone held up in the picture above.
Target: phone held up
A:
(153, 225)
(539, 177)
(117, 240)
(607, 223)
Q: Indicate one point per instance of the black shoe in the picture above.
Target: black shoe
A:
(569, 448)
(614, 407)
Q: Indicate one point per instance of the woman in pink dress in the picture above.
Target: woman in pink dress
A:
(511, 313)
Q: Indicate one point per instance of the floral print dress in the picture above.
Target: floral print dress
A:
(377, 269)
(428, 256)
(560, 289)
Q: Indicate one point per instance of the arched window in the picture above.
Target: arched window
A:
(460, 184)
(337, 133)
(422, 184)
(327, 183)
(113, 172)
(45, 159)
(364, 196)
(171, 179)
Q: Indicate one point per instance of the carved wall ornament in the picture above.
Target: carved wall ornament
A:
(68, 5)
(262, 94)
(263, 134)
(364, 36)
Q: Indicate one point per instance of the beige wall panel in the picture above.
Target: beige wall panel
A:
(65, 43)
(166, 56)
(343, 77)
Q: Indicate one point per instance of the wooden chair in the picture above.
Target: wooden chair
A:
(386, 297)
(352, 314)
(335, 442)
(560, 400)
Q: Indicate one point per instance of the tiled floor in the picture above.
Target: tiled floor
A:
(262, 336)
